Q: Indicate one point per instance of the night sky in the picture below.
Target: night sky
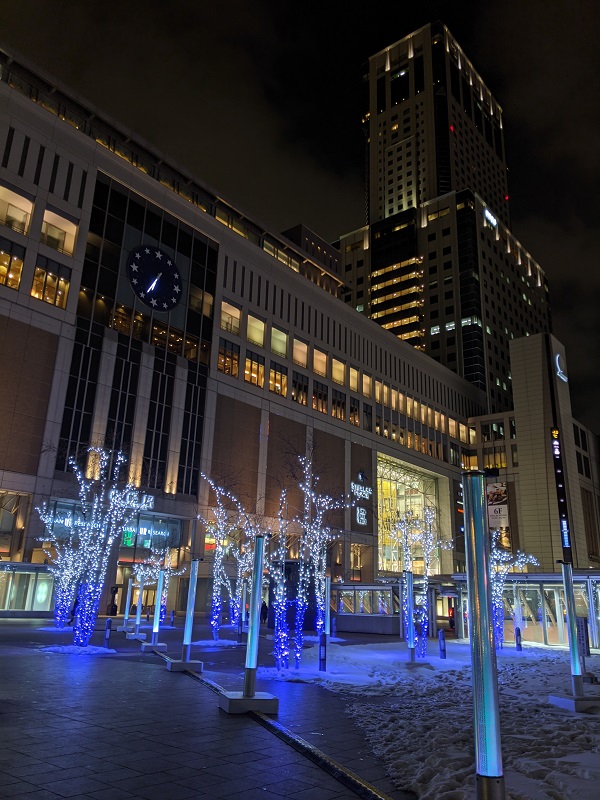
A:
(262, 102)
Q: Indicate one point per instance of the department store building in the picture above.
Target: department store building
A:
(141, 312)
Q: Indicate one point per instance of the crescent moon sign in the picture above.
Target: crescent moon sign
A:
(560, 374)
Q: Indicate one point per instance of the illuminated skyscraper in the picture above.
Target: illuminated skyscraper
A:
(437, 263)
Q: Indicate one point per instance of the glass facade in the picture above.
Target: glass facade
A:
(401, 490)
(25, 587)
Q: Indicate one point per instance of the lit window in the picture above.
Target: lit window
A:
(254, 369)
(353, 379)
(58, 232)
(230, 317)
(255, 331)
(278, 379)
(319, 362)
(338, 370)
(300, 354)
(15, 211)
(367, 385)
(51, 282)
(11, 263)
(279, 340)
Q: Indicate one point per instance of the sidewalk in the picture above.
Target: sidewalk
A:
(121, 726)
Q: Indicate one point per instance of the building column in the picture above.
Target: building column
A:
(175, 429)
(348, 513)
(263, 450)
(106, 373)
(140, 420)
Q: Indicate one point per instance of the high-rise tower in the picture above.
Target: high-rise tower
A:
(433, 127)
(437, 264)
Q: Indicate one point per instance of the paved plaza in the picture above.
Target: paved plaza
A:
(120, 726)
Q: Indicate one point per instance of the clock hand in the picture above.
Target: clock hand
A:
(154, 282)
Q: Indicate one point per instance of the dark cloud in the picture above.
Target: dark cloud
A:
(262, 101)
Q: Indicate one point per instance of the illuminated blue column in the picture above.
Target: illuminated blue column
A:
(410, 614)
(326, 627)
(189, 614)
(576, 672)
(254, 627)
(489, 780)
(157, 604)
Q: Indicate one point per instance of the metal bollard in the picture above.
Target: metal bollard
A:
(518, 639)
(333, 628)
(107, 631)
(442, 640)
(173, 618)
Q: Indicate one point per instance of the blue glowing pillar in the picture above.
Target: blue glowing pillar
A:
(254, 627)
(410, 614)
(328, 606)
(576, 672)
(157, 604)
(326, 628)
(138, 613)
(189, 613)
(489, 780)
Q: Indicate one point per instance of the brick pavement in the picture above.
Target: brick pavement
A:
(122, 726)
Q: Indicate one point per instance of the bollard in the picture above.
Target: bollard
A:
(173, 618)
(442, 640)
(518, 639)
(107, 631)
(148, 616)
(333, 628)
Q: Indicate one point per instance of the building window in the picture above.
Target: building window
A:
(15, 211)
(320, 397)
(338, 404)
(367, 417)
(254, 369)
(58, 233)
(278, 379)
(319, 362)
(338, 371)
(367, 385)
(279, 341)
(354, 412)
(300, 388)
(229, 358)
(51, 282)
(200, 301)
(230, 318)
(300, 354)
(11, 263)
(255, 331)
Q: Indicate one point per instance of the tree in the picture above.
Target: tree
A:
(277, 571)
(65, 558)
(224, 525)
(316, 534)
(105, 509)
(502, 561)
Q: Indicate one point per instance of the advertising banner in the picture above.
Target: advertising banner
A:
(497, 505)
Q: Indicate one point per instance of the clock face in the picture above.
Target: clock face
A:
(154, 278)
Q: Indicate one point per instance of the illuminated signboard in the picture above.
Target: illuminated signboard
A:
(490, 217)
(561, 495)
(559, 373)
(361, 492)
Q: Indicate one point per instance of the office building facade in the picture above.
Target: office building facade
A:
(437, 265)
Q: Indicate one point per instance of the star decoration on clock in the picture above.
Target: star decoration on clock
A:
(154, 278)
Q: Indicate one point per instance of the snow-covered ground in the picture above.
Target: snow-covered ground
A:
(419, 718)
